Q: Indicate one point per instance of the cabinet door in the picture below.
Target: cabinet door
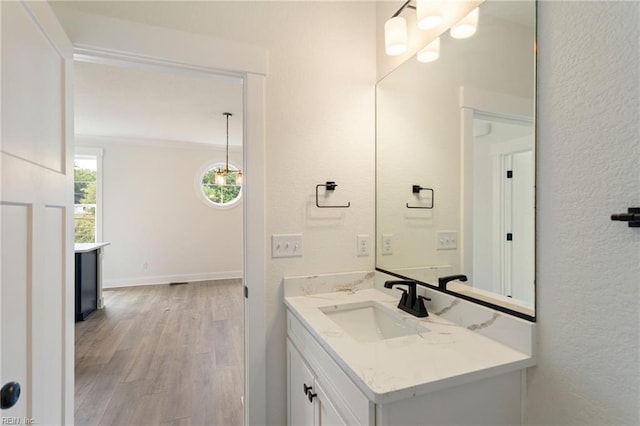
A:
(301, 411)
(327, 414)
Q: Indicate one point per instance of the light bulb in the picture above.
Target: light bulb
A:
(220, 178)
(239, 178)
(467, 26)
(429, 13)
(430, 52)
(395, 36)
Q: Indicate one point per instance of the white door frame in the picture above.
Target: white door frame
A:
(473, 101)
(109, 40)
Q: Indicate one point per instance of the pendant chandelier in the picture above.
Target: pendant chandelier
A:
(223, 174)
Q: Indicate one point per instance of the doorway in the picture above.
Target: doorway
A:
(503, 204)
(110, 39)
(160, 337)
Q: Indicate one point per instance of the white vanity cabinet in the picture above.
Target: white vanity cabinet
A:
(300, 381)
(308, 403)
(335, 400)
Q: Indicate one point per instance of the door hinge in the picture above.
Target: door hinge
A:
(246, 292)
(509, 236)
(509, 174)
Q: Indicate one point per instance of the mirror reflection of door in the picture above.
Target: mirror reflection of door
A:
(503, 205)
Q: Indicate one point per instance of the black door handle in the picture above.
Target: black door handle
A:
(632, 217)
(306, 388)
(308, 392)
(9, 395)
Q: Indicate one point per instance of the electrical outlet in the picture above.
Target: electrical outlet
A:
(286, 245)
(447, 240)
(362, 248)
(387, 244)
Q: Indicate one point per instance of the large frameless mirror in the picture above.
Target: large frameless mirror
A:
(455, 163)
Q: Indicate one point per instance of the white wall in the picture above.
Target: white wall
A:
(153, 215)
(588, 271)
(320, 126)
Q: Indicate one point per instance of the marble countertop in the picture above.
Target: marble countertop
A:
(86, 247)
(444, 356)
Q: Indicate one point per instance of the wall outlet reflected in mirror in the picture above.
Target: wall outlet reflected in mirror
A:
(387, 244)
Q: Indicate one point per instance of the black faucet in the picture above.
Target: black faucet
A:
(442, 281)
(410, 302)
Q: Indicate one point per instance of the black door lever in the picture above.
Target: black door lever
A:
(632, 217)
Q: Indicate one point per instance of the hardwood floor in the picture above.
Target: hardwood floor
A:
(162, 355)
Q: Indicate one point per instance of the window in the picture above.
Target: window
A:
(86, 197)
(220, 195)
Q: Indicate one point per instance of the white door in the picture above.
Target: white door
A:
(36, 207)
(516, 233)
(523, 228)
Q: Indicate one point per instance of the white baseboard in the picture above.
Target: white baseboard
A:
(166, 279)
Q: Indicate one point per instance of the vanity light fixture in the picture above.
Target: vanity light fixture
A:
(395, 36)
(429, 13)
(467, 26)
(395, 32)
(430, 52)
(221, 174)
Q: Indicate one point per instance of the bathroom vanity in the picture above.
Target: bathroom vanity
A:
(353, 358)
(455, 196)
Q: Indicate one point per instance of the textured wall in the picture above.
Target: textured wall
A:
(588, 271)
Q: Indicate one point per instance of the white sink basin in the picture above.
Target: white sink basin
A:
(371, 322)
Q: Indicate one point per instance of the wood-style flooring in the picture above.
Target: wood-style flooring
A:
(162, 355)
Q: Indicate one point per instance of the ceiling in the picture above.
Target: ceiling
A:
(168, 105)
(522, 12)
(156, 104)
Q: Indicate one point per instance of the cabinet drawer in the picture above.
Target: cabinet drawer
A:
(347, 398)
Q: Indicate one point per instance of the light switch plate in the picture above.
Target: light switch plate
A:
(286, 245)
(447, 240)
